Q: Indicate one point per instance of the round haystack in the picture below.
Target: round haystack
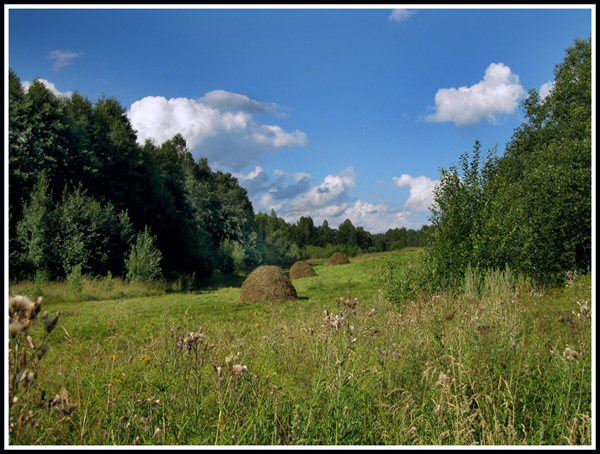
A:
(301, 269)
(267, 283)
(338, 259)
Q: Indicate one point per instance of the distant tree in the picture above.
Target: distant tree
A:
(363, 238)
(347, 234)
(326, 234)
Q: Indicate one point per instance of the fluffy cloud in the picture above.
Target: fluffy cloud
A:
(49, 85)
(219, 126)
(328, 198)
(421, 191)
(400, 15)
(497, 94)
(63, 58)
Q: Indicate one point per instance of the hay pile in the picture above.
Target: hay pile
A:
(267, 283)
(301, 269)
(338, 259)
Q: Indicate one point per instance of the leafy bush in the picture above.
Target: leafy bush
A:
(144, 259)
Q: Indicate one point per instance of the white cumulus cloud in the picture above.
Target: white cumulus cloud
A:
(219, 126)
(421, 191)
(331, 196)
(497, 94)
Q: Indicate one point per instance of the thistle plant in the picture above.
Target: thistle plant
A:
(25, 355)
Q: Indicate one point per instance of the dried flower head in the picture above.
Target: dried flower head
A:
(191, 341)
(570, 354)
(50, 323)
(584, 310)
(22, 309)
(349, 302)
(331, 321)
(238, 370)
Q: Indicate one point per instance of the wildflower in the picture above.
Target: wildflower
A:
(332, 322)
(21, 308)
(228, 361)
(584, 310)
(26, 377)
(351, 303)
(146, 359)
(15, 328)
(42, 350)
(192, 340)
(442, 379)
(257, 325)
(238, 370)
(50, 323)
(570, 355)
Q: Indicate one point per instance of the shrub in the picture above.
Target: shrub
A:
(144, 259)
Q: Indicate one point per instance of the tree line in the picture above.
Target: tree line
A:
(85, 197)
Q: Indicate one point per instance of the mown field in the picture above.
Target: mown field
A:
(508, 364)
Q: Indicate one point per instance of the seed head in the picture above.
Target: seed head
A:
(238, 370)
(570, 355)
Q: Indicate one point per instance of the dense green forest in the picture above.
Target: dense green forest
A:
(85, 197)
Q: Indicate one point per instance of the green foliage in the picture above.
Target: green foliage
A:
(143, 263)
(31, 243)
(457, 215)
(531, 208)
(75, 281)
(543, 183)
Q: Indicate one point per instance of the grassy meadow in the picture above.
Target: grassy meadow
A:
(498, 363)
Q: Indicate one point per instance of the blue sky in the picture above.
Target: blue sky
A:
(346, 112)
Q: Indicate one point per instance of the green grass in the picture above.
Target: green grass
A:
(439, 370)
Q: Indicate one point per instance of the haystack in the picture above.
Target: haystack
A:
(301, 269)
(338, 259)
(267, 283)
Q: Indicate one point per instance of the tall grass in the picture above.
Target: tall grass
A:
(505, 365)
